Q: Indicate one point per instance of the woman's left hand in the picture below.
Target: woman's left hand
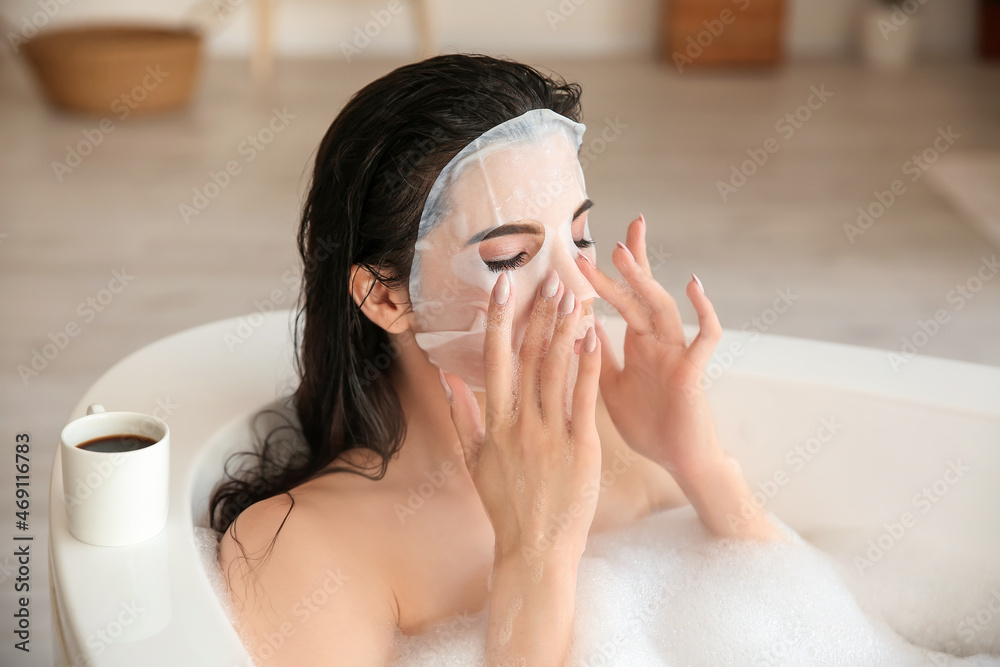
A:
(655, 400)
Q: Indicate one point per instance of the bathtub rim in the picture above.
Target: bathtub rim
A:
(267, 350)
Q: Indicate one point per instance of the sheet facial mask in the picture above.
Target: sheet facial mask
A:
(507, 201)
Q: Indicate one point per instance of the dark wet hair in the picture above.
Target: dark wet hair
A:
(373, 172)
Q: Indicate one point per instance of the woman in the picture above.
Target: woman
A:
(491, 494)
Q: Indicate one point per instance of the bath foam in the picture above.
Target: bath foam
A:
(207, 542)
(663, 591)
(925, 573)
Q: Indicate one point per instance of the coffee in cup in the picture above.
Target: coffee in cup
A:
(116, 472)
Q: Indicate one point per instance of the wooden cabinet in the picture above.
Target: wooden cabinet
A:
(989, 29)
(722, 32)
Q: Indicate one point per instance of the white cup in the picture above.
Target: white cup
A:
(115, 499)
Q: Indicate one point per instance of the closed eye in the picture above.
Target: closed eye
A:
(584, 207)
(518, 260)
(507, 264)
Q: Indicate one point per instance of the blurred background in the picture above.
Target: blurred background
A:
(829, 168)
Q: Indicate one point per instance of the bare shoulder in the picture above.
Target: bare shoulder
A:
(303, 587)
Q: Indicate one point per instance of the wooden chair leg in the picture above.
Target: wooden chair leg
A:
(423, 13)
(262, 58)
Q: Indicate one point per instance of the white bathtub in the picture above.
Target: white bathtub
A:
(873, 438)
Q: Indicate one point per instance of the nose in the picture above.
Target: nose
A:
(565, 265)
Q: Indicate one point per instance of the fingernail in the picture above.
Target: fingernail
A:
(700, 286)
(567, 303)
(642, 225)
(551, 284)
(585, 257)
(444, 383)
(627, 251)
(590, 340)
(502, 289)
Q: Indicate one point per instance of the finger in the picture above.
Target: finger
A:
(536, 339)
(466, 417)
(635, 239)
(554, 373)
(587, 380)
(660, 307)
(619, 294)
(497, 352)
(610, 369)
(709, 328)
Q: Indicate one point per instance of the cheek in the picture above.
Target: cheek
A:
(524, 303)
(525, 291)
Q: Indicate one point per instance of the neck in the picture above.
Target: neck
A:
(431, 438)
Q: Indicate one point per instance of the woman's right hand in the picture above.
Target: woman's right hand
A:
(538, 452)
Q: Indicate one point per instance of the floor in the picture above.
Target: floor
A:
(110, 230)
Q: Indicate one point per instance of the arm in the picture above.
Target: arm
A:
(532, 471)
(657, 487)
(722, 498)
(716, 487)
(531, 619)
(655, 398)
(305, 604)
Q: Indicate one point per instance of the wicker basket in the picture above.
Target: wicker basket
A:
(117, 70)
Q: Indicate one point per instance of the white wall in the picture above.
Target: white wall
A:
(816, 28)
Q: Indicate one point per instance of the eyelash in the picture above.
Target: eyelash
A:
(518, 259)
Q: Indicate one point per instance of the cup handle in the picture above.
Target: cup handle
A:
(94, 408)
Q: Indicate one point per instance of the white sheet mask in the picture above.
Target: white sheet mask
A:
(523, 171)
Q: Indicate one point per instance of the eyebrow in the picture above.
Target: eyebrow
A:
(520, 227)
